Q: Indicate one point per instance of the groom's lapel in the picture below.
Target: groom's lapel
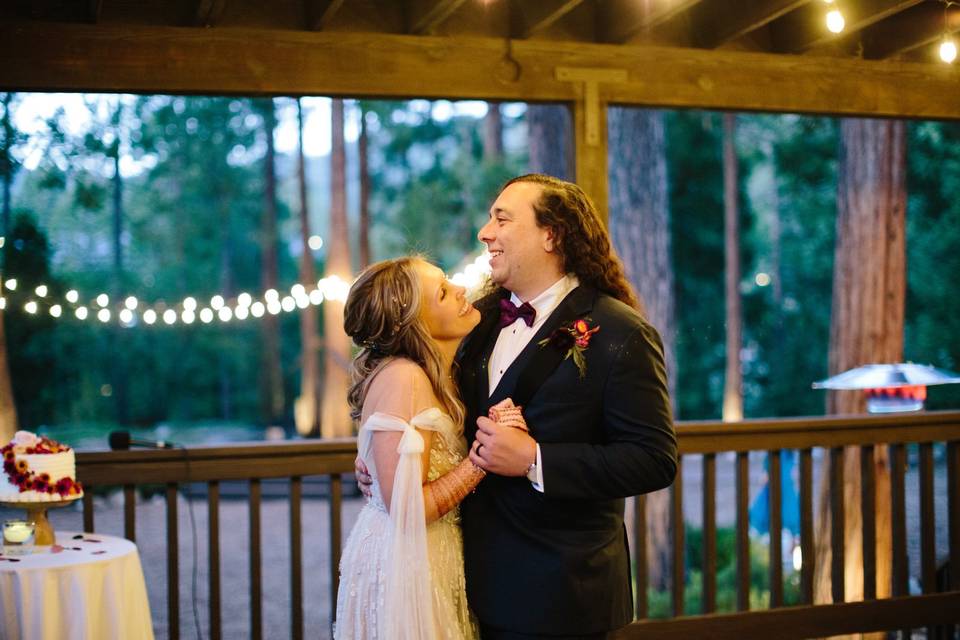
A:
(475, 354)
(535, 363)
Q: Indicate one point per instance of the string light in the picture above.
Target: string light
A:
(835, 21)
(132, 310)
(948, 48)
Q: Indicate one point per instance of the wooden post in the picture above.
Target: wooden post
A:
(590, 129)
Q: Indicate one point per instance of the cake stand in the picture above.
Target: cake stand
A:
(37, 512)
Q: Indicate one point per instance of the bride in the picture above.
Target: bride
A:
(401, 573)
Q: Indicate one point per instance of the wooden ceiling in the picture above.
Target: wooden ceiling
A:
(875, 29)
(772, 55)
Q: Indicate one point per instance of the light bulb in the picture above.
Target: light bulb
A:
(42, 290)
(72, 296)
(835, 21)
(131, 303)
(149, 316)
(948, 50)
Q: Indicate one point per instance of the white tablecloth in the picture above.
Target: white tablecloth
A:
(92, 589)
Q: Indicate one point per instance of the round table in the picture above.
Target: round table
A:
(86, 586)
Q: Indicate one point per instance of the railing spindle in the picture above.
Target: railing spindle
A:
(336, 540)
(928, 553)
(130, 512)
(88, 508)
(296, 559)
(676, 499)
(743, 530)
(837, 515)
(173, 564)
(640, 553)
(898, 508)
(869, 518)
(776, 527)
(256, 586)
(213, 556)
(953, 512)
(709, 532)
(807, 553)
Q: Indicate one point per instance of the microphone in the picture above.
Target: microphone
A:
(121, 440)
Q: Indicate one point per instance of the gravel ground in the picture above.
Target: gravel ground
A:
(235, 562)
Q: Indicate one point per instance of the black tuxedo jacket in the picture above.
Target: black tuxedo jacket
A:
(557, 562)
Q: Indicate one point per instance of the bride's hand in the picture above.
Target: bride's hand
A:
(508, 414)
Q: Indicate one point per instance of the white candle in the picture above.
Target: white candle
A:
(17, 532)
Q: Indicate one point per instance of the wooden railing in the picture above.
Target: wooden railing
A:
(256, 462)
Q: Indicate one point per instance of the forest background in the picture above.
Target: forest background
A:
(164, 197)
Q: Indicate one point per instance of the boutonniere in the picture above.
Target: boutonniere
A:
(573, 340)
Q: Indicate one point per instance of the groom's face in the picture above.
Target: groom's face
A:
(521, 251)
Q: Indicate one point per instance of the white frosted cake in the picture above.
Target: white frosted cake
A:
(38, 469)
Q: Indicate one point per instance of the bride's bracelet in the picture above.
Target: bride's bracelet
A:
(450, 489)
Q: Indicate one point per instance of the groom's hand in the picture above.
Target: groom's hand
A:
(364, 479)
(506, 451)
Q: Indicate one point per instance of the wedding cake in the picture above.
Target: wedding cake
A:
(37, 469)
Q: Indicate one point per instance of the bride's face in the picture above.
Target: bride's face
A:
(443, 306)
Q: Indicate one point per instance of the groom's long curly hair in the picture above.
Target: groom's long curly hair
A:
(382, 316)
(582, 241)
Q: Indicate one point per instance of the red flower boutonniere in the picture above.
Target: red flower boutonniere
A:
(574, 340)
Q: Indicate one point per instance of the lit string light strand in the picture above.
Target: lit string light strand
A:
(130, 312)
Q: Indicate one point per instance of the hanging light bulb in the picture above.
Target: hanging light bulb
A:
(149, 316)
(11, 284)
(72, 296)
(30, 307)
(56, 310)
(131, 303)
(948, 50)
(81, 313)
(206, 315)
(835, 21)
(42, 291)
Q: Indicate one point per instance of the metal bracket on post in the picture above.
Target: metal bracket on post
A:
(591, 77)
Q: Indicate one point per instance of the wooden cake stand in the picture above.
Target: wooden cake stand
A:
(37, 512)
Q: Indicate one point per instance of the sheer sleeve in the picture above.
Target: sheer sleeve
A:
(408, 598)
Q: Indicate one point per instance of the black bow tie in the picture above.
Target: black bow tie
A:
(509, 313)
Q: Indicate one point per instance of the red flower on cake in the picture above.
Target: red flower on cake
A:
(64, 485)
(22, 466)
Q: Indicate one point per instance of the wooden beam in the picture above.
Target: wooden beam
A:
(920, 26)
(716, 23)
(621, 20)
(321, 12)
(426, 15)
(531, 18)
(113, 58)
(94, 7)
(806, 28)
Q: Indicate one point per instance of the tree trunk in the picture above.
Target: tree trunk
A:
(733, 378)
(335, 419)
(640, 229)
(271, 389)
(492, 133)
(307, 407)
(117, 337)
(362, 151)
(550, 139)
(866, 324)
(6, 165)
(8, 409)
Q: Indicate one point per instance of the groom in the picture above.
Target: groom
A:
(544, 540)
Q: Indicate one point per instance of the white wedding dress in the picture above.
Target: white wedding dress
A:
(401, 579)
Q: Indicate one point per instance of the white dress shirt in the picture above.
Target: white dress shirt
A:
(515, 337)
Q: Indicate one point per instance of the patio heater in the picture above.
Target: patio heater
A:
(891, 388)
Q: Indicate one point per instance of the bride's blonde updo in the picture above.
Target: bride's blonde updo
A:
(382, 316)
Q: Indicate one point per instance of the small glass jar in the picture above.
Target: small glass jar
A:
(18, 537)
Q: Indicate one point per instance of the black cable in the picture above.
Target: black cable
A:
(195, 570)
